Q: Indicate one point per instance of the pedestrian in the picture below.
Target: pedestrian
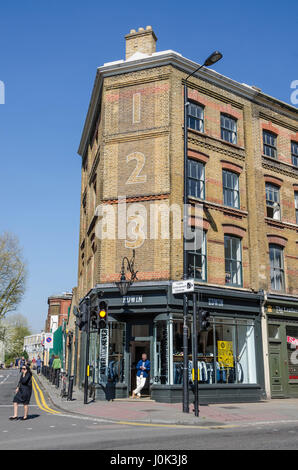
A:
(23, 392)
(38, 364)
(56, 367)
(22, 363)
(51, 360)
(143, 369)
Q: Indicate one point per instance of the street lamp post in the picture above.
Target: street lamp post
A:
(212, 59)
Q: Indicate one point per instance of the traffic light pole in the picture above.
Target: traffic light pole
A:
(195, 354)
(87, 352)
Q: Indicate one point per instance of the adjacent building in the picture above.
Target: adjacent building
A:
(242, 185)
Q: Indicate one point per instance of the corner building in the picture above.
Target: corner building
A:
(132, 151)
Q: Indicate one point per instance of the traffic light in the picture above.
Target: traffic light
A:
(103, 315)
(204, 316)
(94, 323)
(82, 317)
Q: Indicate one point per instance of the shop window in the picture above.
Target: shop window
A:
(226, 353)
(116, 348)
(161, 346)
(292, 349)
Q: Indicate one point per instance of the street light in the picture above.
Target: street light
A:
(212, 59)
(124, 284)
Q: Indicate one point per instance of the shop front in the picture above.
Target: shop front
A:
(149, 320)
(282, 323)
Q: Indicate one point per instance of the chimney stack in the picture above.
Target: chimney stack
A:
(143, 40)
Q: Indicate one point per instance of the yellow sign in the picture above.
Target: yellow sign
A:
(225, 353)
(193, 374)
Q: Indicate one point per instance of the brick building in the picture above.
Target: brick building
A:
(242, 175)
(58, 311)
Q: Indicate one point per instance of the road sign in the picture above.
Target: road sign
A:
(180, 287)
(48, 341)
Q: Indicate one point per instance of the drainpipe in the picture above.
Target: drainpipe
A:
(264, 328)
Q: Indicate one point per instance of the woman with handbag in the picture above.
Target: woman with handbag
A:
(23, 392)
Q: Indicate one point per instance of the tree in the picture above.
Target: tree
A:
(12, 274)
(14, 329)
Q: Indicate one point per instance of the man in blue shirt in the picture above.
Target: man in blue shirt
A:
(143, 369)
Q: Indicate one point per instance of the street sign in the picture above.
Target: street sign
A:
(180, 287)
(48, 344)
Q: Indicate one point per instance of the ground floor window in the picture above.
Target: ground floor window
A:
(226, 352)
(106, 354)
(292, 350)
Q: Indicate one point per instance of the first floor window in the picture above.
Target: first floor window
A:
(233, 261)
(277, 276)
(196, 259)
(196, 179)
(296, 205)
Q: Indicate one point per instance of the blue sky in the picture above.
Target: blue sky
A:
(49, 54)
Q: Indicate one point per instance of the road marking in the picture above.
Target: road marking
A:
(42, 406)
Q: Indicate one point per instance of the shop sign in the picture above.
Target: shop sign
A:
(215, 302)
(225, 353)
(292, 340)
(132, 299)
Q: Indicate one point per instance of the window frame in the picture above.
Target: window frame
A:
(199, 181)
(196, 119)
(273, 268)
(230, 132)
(268, 146)
(238, 261)
(296, 205)
(230, 190)
(203, 256)
(275, 190)
(294, 153)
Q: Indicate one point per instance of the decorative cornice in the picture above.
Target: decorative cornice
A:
(279, 224)
(279, 167)
(217, 145)
(136, 82)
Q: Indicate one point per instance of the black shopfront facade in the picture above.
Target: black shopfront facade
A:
(149, 319)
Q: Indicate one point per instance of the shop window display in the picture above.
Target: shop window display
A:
(226, 352)
(161, 362)
(116, 352)
(292, 350)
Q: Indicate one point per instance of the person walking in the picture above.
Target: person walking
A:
(143, 369)
(23, 393)
(38, 364)
(22, 363)
(56, 367)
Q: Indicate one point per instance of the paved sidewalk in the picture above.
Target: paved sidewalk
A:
(147, 411)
